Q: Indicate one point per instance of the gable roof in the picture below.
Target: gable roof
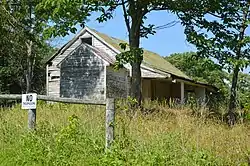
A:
(104, 56)
(150, 59)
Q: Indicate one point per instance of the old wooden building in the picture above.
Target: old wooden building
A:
(82, 68)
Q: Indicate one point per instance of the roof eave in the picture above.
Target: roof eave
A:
(208, 86)
(66, 46)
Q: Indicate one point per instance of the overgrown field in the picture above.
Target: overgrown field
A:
(74, 135)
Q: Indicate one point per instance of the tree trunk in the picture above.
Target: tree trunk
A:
(29, 45)
(136, 82)
(134, 42)
(29, 66)
(233, 97)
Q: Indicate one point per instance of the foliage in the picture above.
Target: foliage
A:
(130, 56)
(8, 48)
(12, 67)
(243, 90)
(74, 135)
(64, 15)
(205, 70)
(29, 29)
(215, 31)
(14, 33)
(218, 30)
(200, 69)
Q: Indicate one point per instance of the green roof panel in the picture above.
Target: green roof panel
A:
(150, 59)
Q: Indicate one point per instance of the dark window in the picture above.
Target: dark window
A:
(87, 40)
(55, 77)
(50, 63)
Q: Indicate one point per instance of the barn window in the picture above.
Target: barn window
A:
(87, 40)
(50, 64)
(55, 77)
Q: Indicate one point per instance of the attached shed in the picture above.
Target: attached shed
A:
(83, 68)
(84, 73)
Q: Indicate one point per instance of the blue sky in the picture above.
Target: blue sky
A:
(164, 42)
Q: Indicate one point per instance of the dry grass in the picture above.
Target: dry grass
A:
(164, 137)
(229, 144)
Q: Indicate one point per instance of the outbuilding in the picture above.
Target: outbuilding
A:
(83, 68)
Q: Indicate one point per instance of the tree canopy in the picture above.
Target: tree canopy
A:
(218, 30)
(14, 33)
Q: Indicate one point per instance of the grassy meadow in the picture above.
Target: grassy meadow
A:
(74, 135)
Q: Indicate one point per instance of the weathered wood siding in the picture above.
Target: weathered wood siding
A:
(54, 88)
(56, 85)
(146, 89)
(150, 74)
(161, 89)
(176, 90)
(61, 57)
(53, 81)
(99, 44)
(117, 83)
(82, 75)
(110, 51)
(54, 72)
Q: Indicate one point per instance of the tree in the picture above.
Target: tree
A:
(66, 14)
(24, 16)
(218, 30)
(14, 61)
(10, 45)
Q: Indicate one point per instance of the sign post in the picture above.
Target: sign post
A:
(110, 121)
(29, 102)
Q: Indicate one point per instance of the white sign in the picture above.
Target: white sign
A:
(29, 101)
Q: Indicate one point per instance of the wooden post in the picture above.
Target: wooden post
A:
(32, 119)
(182, 93)
(110, 121)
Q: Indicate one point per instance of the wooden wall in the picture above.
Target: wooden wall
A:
(146, 89)
(176, 90)
(160, 89)
(82, 76)
(99, 44)
(53, 81)
(200, 94)
(54, 73)
(156, 89)
(117, 83)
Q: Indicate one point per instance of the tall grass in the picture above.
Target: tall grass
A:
(74, 135)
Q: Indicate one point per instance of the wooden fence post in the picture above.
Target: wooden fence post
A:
(32, 119)
(110, 121)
